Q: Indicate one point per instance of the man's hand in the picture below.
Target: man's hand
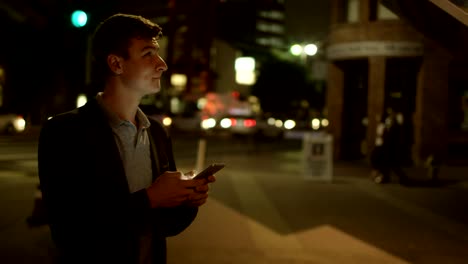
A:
(169, 190)
(200, 194)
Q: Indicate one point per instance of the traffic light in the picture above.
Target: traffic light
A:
(79, 18)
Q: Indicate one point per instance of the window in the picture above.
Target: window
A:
(352, 11)
(271, 14)
(271, 41)
(270, 27)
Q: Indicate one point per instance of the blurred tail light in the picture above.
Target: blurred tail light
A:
(250, 123)
(233, 122)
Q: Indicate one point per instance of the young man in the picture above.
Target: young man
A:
(107, 172)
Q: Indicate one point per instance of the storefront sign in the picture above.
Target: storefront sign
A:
(374, 48)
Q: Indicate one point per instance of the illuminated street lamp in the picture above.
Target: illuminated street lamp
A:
(296, 50)
(310, 49)
(303, 51)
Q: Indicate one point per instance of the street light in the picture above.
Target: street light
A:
(296, 49)
(310, 49)
(303, 50)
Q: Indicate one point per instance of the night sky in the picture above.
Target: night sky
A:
(307, 20)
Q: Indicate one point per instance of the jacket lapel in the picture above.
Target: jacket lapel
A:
(105, 148)
(159, 159)
(154, 156)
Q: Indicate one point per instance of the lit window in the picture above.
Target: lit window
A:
(277, 28)
(245, 70)
(353, 11)
(272, 14)
(262, 41)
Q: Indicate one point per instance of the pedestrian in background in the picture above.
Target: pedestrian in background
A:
(387, 155)
(107, 172)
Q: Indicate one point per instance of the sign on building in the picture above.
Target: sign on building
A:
(361, 49)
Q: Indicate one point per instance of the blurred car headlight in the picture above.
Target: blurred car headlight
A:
(208, 123)
(19, 123)
(271, 121)
(315, 123)
(278, 123)
(289, 124)
(324, 122)
(167, 121)
(225, 123)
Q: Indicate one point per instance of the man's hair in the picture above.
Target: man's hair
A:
(113, 36)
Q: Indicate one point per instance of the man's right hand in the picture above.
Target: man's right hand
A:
(169, 189)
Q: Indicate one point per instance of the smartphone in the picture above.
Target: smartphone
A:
(210, 170)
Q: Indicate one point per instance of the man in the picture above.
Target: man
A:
(107, 172)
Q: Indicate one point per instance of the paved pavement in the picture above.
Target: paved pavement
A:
(262, 210)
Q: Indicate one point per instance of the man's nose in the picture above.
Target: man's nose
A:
(161, 66)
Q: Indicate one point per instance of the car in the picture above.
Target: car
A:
(295, 128)
(231, 124)
(270, 128)
(11, 123)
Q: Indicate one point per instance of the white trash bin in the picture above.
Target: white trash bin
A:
(317, 158)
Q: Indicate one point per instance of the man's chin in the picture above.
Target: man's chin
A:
(154, 90)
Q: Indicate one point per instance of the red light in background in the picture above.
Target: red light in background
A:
(233, 121)
(250, 122)
(235, 94)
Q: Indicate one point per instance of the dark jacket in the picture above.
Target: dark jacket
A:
(93, 216)
(391, 152)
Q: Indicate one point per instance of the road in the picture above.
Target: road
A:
(261, 210)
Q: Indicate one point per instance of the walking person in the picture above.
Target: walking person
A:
(108, 177)
(387, 155)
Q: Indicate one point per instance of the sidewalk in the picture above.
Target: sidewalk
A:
(264, 212)
(261, 210)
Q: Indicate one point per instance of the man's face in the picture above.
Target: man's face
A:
(143, 69)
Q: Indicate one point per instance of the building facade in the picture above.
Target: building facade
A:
(380, 60)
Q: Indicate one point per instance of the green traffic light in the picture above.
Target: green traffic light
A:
(79, 18)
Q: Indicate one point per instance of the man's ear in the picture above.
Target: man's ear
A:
(115, 64)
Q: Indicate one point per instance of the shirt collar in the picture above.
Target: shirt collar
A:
(114, 120)
(142, 120)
